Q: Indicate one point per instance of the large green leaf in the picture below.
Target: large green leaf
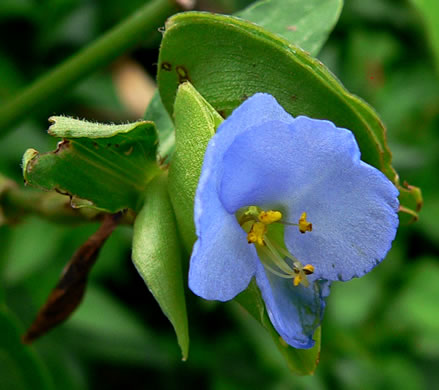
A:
(103, 166)
(227, 60)
(305, 23)
(156, 255)
(20, 368)
(195, 124)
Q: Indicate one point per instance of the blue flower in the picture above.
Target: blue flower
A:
(287, 201)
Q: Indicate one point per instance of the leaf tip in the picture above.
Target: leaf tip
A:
(28, 161)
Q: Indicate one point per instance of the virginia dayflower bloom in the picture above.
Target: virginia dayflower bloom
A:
(287, 201)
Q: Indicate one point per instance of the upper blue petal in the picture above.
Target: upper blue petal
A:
(295, 312)
(310, 165)
(257, 166)
(222, 262)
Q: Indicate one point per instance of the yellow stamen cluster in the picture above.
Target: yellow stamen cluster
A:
(274, 256)
(259, 228)
(304, 225)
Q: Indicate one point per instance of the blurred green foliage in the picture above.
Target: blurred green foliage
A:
(381, 331)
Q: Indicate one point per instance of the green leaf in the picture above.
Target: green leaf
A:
(195, 124)
(106, 167)
(429, 10)
(156, 112)
(20, 368)
(299, 361)
(227, 60)
(156, 255)
(305, 23)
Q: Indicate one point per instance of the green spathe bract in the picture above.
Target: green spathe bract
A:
(195, 123)
(157, 257)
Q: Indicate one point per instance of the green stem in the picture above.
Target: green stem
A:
(118, 40)
(17, 203)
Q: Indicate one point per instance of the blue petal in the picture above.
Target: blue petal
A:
(310, 165)
(257, 109)
(352, 206)
(295, 312)
(222, 262)
(257, 167)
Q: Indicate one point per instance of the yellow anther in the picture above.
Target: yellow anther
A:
(304, 225)
(308, 269)
(301, 278)
(270, 216)
(298, 278)
(256, 234)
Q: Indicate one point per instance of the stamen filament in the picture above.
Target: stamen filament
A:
(277, 259)
(268, 253)
(276, 262)
(288, 223)
(284, 252)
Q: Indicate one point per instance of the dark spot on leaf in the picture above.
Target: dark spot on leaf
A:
(293, 98)
(95, 144)
(166, 66)
(116, 145)
(183, 74)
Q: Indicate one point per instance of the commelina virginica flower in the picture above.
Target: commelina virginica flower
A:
(287, 201)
